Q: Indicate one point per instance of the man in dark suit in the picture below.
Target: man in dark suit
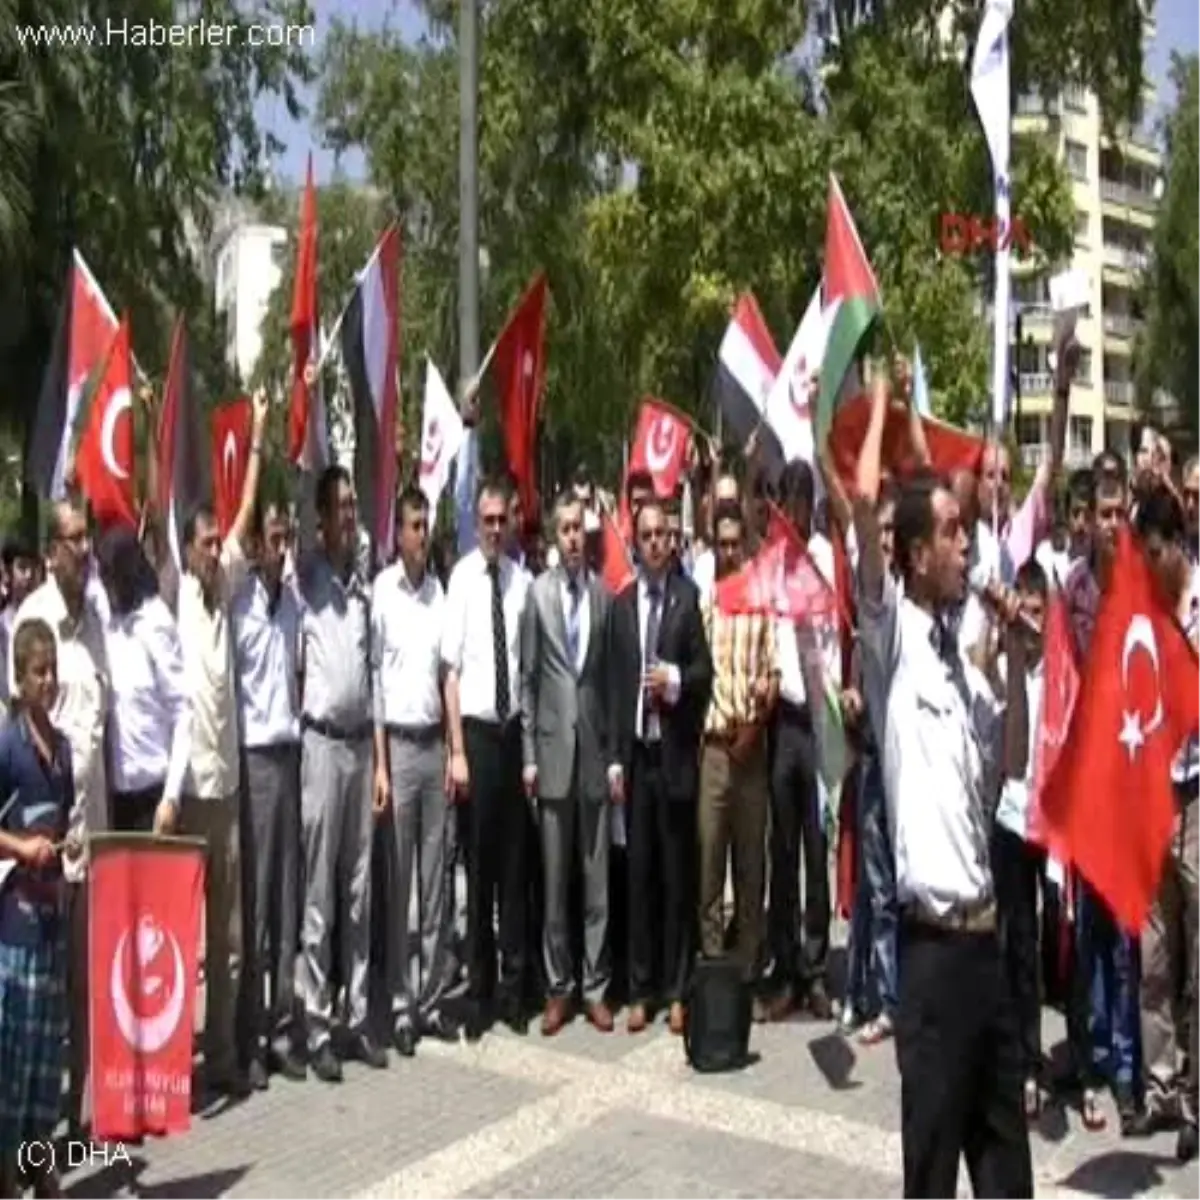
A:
(566, 748)
(660, 681)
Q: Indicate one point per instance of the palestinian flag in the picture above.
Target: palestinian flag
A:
(747, 363)
(183, 447)
(371, 352)
(85, 331)
(850, 296)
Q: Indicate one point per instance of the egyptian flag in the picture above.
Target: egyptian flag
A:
(85, 331)
(850, 295)
(104, 458)
(519, 371)
(231, 432)
(371, 352)
(183, 442)
(308, 434)
(747, 364)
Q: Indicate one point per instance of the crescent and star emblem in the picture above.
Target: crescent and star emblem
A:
(121, 402)
(799, 388)
(660, 444)
(431, 448)
(229, 458)
(1139, 635)
(144, 1034)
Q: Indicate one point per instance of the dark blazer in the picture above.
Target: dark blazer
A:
(681, 642)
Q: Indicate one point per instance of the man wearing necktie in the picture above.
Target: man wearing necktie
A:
(481, 652)
(660, 682)
(566, 747)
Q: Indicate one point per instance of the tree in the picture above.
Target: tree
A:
(1166, 353)
(656, 160)
(123, 151)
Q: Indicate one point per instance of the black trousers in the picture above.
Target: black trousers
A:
(799, 943)
(133, 812)
(961, 1073)
(1019, 867)
(497, 852)
(661, 858)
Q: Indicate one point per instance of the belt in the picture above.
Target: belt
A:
(421, 735)
(976, 917)
(797, 714)
(336, 733)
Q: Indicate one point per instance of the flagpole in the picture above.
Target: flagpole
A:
(336, 329)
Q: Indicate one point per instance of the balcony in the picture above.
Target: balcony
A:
(1075, 99)
(1036, 383)
(1122, 258)
(1140, 135)
(1121, 325)
(1127, 195)
(1032, 105)
(1118, 391)
(1033, 455)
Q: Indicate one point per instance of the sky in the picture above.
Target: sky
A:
(1178, 22)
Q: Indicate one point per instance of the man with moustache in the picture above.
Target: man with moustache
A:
(660, 683)
(481, 650)
(566, 748)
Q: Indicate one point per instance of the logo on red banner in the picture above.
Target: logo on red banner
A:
(144, 907)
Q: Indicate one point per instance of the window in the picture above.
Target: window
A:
(1083, 371)
(1031, 289)
(1082, 221)
(1075, 99)
(1030, 357)
(1029, 430)
(1077, 159)
(1079, 434)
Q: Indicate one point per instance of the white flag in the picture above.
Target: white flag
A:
(990, 91)
(788, 410)
(441, 436)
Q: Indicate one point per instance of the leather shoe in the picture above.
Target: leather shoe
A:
(437, 1026)
(405, 1040)
(677, 1019)
(779, 1008)
(637, 1019)
(555, 1016)
(600, 1016)
(326, 1066)
(257, 1075)
(287, 1063)
(1185, 1145)
(818, 1002)
(365, 1050)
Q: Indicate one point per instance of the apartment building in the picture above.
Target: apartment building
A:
(1116, 181)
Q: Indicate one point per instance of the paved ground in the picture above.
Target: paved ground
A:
(588, 1115)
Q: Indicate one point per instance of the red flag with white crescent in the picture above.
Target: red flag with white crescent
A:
(660, 445)
(231, 432)
(104, 458)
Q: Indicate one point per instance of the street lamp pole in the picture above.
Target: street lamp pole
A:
(468, 191)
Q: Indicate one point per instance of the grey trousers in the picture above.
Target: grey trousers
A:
(575, 831)
(421, 942)
(336, 824)
(271, 891)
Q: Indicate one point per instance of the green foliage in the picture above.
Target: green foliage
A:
(1166, 355)
(123, 152)
(657, 159)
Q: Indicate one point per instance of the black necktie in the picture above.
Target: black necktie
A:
(650, 650)
(499, 646)
(573, 594)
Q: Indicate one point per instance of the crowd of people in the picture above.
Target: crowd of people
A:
(599, 764)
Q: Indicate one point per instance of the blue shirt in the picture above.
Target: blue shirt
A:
(35, 797)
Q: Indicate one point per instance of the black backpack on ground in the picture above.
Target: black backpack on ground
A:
(716, 1035)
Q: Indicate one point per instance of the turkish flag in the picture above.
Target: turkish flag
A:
(660, 445)
(616, 569)
(519, 363)
(145, 897)
(950, 448)
(1108, 807)
(781, 580)
(231, 426)
(1060, 690)
(104, 458)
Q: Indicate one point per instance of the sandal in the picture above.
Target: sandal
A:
(1093, 1114)
(876, 1030)
(1033, 1100)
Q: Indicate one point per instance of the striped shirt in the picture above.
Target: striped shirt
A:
(743, 651)
(1186, 768)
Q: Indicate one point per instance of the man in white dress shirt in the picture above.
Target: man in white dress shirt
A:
(481, 648)
(956, 1038)
(79, 713)
(266, 628)
(215, 568)
(407, 609)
